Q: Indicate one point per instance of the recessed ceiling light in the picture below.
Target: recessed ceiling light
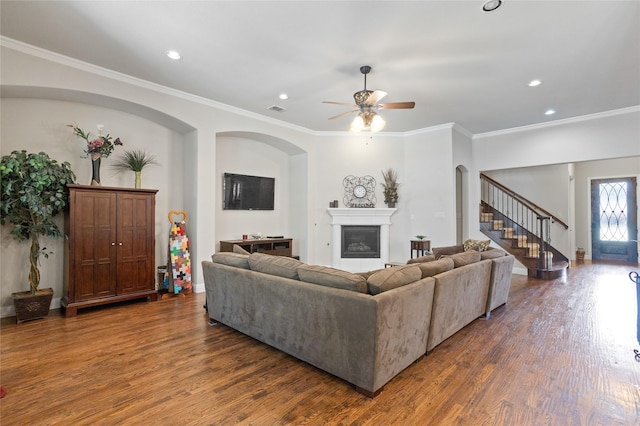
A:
(534, 83)
(491, 5)
(550, 112)
(174, 54)
(283, 96)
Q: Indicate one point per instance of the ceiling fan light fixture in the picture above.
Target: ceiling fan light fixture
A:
(491, 5)
(377, 123)
(367, 102)
(357, 124)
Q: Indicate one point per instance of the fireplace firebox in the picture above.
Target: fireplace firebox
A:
(360, 242)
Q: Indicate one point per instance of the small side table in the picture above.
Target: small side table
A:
(420, 247)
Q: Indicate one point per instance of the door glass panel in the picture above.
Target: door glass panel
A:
(613, 211)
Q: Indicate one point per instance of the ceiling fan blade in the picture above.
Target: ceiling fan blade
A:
(340, 103)
(375, 97)
(397, 105)
(343, 114)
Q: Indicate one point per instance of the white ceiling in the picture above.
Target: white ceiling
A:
(458, 63)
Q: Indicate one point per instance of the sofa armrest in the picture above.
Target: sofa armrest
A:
(500, 283)
(402, 328)
(460, 297)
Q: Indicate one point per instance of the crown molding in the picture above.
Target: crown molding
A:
(138, 82)
(555, 123)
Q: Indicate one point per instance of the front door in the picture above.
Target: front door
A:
(614, 225)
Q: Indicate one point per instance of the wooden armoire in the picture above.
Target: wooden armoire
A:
(110, 250)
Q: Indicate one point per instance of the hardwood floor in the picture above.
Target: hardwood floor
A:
(559, 353)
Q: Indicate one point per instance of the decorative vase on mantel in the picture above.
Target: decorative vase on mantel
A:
(138, 179)
(96, 158)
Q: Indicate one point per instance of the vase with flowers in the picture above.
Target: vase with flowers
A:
(97, 148)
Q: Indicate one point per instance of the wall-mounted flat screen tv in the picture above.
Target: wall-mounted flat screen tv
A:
(243, 192)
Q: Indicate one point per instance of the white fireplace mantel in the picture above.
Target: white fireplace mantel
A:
(360, 216)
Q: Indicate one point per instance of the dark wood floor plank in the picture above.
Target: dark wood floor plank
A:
(559, 353)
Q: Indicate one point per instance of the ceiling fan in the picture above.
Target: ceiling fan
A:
(367, 104)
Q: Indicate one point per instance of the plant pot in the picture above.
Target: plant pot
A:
(32, 306)
(391, 204)
(580, 254)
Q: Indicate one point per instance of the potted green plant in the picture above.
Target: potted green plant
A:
(390, 187)
(34, 191)
(135, 160)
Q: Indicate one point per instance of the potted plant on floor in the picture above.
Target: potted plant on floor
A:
(390, 187)
(135, 160)
(34, 191)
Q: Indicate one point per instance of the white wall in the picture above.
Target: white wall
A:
(430, 186)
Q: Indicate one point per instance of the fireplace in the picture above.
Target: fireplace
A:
(360, 242)
(365, 247)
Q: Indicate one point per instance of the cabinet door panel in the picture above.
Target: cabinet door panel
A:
(95, 249)
(135, 243)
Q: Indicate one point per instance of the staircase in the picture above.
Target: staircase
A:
(521, 228)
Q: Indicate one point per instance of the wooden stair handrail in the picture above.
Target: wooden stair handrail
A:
(530, 204)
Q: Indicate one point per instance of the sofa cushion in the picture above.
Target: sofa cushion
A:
(231, 259)
(390, 278)
(492, 254)
(331, 277)
(367, 274)
(478, 245)
(438, 252)
(430, 269)
(274, 265)
(465, 258)
(422, 259)
(239, 250)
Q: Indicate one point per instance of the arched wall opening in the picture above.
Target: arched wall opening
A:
(259, 154)
(462, 204)
(35, 119)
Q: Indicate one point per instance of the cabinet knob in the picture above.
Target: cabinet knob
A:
(120, 243)
(113, 244)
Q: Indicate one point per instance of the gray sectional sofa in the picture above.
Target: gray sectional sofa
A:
(364, 328)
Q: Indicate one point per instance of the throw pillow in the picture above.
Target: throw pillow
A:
(239, 250)
(390, 278)
(231, 259)
(274, 265)
(331, 277)
(477, 245)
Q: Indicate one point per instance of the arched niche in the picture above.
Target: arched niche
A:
(261, 154)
